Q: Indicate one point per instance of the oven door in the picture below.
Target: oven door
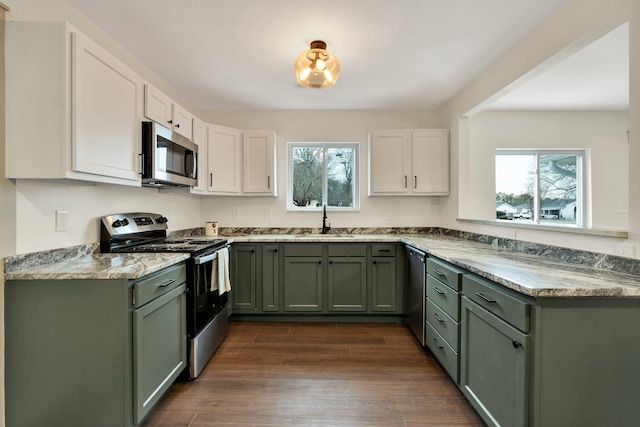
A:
(207, 314)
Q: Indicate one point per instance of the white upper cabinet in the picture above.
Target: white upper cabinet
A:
(161, 109)
(430, 162)
(388, 162)
(409, 162)
(224, 161)
(259, 163)
(73, 111)
(200, 139)
(107, 99)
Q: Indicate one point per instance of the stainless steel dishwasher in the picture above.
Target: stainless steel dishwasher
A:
(416, 295)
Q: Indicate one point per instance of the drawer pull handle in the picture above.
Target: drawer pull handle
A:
(438, 318)
(438, 291)
(439, 273)
(438, 345)
(515, 344)
(489, 300)
(167, 283)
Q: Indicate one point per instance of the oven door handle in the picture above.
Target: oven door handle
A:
(206, 258)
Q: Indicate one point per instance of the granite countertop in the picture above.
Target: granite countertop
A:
(100, 266)
(531, 275)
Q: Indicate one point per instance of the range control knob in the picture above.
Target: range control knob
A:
(125, 222)
(117, 223)
(162, 220)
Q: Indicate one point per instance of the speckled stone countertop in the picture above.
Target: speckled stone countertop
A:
(531, 275)
(99, 266)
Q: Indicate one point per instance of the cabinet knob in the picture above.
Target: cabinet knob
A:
(375, 262)
(319, 262)
(253, 250)
(275, 250)
(170, 122)
(178, 125)
(330, 262)
(515, 344)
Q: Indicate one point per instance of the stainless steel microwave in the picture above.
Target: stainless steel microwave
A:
(168, 159)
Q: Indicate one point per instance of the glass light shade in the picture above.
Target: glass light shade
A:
(317, 67)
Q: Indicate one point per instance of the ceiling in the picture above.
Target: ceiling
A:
(394, 54)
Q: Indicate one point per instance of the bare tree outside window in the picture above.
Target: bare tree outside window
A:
(322, 173)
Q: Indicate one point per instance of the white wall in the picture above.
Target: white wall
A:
(323, 126)
(572, 26)
(604, 133)
(37, 202)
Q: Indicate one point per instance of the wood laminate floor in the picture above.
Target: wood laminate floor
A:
(317, 374)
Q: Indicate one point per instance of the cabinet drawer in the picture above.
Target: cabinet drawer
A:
(303, 250)
(445, 272)
(445, 297)
(346, 249)
(447, 356)
(158, 284)
(448, 328)
(383, 250)
(508, 305)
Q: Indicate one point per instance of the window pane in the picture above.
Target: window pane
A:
(307, 176)
(558, 188)
(340, 182)
(515, 186)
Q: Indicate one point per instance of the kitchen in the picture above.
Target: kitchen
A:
(29, 206)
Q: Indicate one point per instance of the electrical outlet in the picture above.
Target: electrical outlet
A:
(234, 213)
(62, 220)
(627, 250)
(623, 208)
(267, 213)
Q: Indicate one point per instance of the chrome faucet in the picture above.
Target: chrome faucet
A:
(325, 227)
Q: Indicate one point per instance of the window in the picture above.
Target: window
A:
(322, 173)
(540, 187)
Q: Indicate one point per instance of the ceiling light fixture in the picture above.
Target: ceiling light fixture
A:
(317, 67)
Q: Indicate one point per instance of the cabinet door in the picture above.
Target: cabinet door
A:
(243, 277)
(303, 284)
(200, 139)
(224, 161)
(494, 367)
(107, 99)
(182, 121)
(383, 286)
(158, 106)
(388, 162)
(270, 278)
(259, 163)
(159, 348)
(430, 162)
(347, 284)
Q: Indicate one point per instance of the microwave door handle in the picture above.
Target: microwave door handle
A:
(195, 165)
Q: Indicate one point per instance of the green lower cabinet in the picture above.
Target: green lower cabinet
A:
(243, 277)
(303, 284)
(494, 367)
(97, 353)
(270, 278)
(347, 284)
(384, 284)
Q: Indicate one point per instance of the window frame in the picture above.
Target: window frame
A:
(581, 185)
(325, 146)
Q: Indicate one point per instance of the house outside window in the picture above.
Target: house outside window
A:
(322, 174)
(540, 187)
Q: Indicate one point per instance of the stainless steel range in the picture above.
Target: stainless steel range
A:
(206, 307)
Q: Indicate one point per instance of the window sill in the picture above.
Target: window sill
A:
(623, 234)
